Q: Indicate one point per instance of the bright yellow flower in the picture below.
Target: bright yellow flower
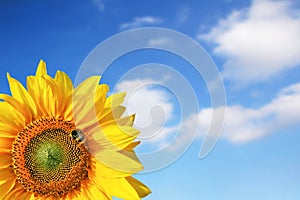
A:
(57, 141)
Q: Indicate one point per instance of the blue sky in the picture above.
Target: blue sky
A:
(255, 45)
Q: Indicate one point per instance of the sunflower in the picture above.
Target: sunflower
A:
(61, 142)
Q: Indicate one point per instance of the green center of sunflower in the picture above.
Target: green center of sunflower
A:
(48, 156)
(51, 153)
(48, 159)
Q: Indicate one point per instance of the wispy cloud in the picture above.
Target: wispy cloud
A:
(258, 42)
(183, 14)
(141, 21)
(100, 5)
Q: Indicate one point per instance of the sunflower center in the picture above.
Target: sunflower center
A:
(48, 160)
(49, 156)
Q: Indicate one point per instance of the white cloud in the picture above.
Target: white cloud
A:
(141, 21)
(258, 42)
(152, 106)
(247, 124)
(241, 124)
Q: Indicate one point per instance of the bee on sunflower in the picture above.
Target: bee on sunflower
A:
(61, 142)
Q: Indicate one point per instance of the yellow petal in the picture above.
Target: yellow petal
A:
(119, 136)
(100, 98)
(87, 111)
(66, 86)
(6, 144)
(24, 195)
(87, 86)
(119, 161)
(6, 173)
(111, 114)
(139, 187)
(124, 121)
(6, 159)
(41, 69)
(121, 188)
(6, 186)
(84, 102)
(58, 98)
(42, 95)
(68, 114)
(131, 146)
(115, 100)
(22, 108)
(21, 94)
(11, 116)
(6, 130)
(92, 192)
(65, 83)
(106, 171)
(18, 193)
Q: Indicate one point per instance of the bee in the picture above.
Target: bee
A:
(77, 135)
